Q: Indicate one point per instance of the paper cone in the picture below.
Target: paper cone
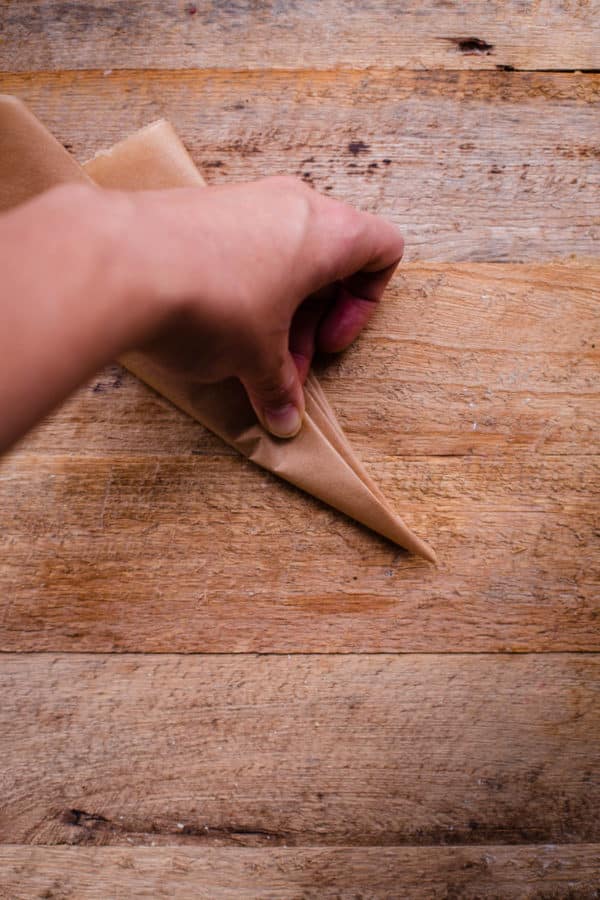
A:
(320, 459)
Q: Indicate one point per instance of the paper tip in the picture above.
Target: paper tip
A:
(430, 556)
(420, 548)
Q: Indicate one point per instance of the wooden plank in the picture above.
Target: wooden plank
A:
(309, 751)
(460, 360)
(469, 872)
(473, 166)
(159, 554)
(51, 34)
(184, 546)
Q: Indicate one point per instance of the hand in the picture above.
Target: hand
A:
(242, 281)
(250, 279)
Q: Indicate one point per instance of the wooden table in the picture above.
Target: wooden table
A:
(212, 685)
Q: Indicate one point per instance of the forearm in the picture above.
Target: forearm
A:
(67, 302)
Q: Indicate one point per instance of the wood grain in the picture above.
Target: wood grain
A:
(287, 750)
(125, 526)
(472, 166)
(472, 873)
(546, 34)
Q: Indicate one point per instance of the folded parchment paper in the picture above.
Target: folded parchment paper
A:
(319, 460)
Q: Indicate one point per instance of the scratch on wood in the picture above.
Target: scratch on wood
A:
(105, 497)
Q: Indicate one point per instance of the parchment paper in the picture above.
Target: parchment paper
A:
(319, 460)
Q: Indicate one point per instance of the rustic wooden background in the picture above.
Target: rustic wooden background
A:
(214, 686)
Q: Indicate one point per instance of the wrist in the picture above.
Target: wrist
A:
(69, 305)
(100, 226)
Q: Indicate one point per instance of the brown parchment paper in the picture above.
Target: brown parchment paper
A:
(320, 459)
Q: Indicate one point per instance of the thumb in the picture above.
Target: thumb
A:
(276, 394)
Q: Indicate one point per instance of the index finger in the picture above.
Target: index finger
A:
(355, 301)
(359, 252)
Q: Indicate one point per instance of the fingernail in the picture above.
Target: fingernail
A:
(285, 421)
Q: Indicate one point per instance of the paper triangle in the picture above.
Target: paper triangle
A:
(320, 459)
(31, 159)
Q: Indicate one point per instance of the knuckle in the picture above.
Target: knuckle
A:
(275, 395)
(348, 220)
(274, 388)
(344, 224)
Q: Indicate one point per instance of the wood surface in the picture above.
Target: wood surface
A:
(300, 750)
(473, 873)
(417, 34)
(237, 726)
(472, 166)
(126, 526)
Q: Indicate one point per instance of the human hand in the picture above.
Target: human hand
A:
(249, 280)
